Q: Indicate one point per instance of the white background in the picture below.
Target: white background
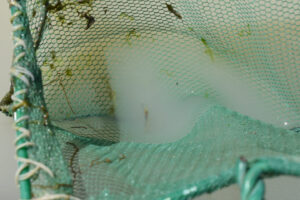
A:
(284, 188)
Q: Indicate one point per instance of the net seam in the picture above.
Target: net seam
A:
(22, 74)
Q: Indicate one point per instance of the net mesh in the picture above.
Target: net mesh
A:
(208, 49)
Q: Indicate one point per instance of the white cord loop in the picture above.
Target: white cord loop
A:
(17, 58)
(18, 41)
(25, 144)
(17, 28)
(23, 117)
(14, 3)
(20, 73)
(38, 166)
(15, 97)
(15, 15)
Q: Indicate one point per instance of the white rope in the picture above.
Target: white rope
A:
(24, 71)
(20, 73)
(19, 170)
(29, 174)
(24, 75)
(14, 3)
(57, 196)
(18, 41)
(17, 58)
(18, 27)
(15, 98)
(16, 14)
(25, 134)
(25, 144)
(15, 73)
(23, 117)
(20, 103)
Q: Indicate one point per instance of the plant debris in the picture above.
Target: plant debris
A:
(90, 20)
(171, 10)
(208, 50)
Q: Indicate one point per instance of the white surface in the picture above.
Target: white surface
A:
(277, 189)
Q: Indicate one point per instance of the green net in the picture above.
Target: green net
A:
(155, 99)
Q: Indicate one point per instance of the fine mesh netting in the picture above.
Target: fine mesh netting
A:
(258, 40)
(217, 79)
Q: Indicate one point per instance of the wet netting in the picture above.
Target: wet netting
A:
(151, 99)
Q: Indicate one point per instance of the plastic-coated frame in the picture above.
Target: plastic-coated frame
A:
(22, 74)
